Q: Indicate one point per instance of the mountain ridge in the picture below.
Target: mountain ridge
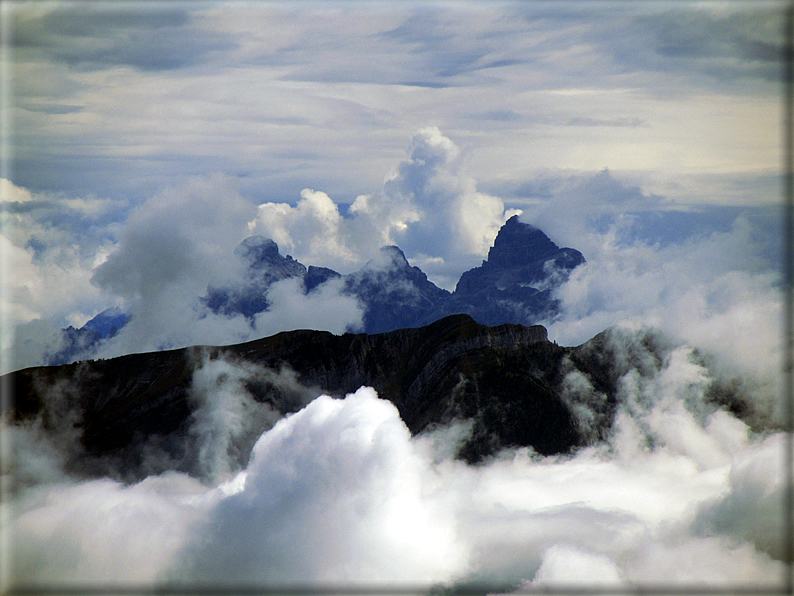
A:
(501, 380)
(513, 285)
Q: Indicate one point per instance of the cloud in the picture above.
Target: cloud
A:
(226, 420)
(339, 492)
(169, 250)
(618, 122)
(49, 246)
(109, 523)
(359, 488)
(452, 216)
(87, 37)
(313, 230)
(327, 308)
(569, 566)
(11, 193)
(700, 291)
(428, 206)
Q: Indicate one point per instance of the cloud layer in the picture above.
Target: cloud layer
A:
(340, 494)
(281, 95)
(121, 114)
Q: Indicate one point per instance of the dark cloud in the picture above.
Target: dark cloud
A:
(741, 44)
(98, 36)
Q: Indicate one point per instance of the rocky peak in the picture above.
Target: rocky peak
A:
(518, 243)
(256, 249)
(391, 258)
(514, 285)
(265, 267)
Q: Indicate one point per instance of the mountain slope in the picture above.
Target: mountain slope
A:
(503, 381)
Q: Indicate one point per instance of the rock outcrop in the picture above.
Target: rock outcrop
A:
(515, 283)
(264, 266)
(503, 381)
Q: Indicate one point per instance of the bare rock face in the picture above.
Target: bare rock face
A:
(515, 283)
(265, 266)
(503, 381)
(395, 294)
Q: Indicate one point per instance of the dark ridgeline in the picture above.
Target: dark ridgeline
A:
(505, 380)
(424, 349)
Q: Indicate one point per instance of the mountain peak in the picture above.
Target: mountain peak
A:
(390, 258)
(518, 243)
(257, 248)
(394, 254)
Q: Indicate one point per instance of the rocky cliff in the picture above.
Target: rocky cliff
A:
(516, 281)
(503, 382)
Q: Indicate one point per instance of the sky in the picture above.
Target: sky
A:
(142, 142)
(337, 128)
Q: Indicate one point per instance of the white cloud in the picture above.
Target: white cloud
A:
(702, 291)
(312, 230)
(333, 494)
(327, 309)
(9, 192)
(340, 492)
(428, 206)
(169, 250)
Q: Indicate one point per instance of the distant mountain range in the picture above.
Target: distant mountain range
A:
(514, 285)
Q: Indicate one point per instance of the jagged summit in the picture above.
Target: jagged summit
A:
(257, 249)
(265, 266)
(391, 257)
(514, 285)
(395, 293)
(263, 258)
(518, 244)
(521, 254)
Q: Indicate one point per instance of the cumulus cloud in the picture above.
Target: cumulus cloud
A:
(312, 230)
(428, 206)
(706, 292)
(176, 245)
(340, 493)
(355, 510)
(453, 217)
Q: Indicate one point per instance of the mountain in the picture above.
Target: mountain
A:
(108, 322)
(491, 387)
(514, 285)
(81, 343)
(395, 294)
(264, 266)
(504, 382)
